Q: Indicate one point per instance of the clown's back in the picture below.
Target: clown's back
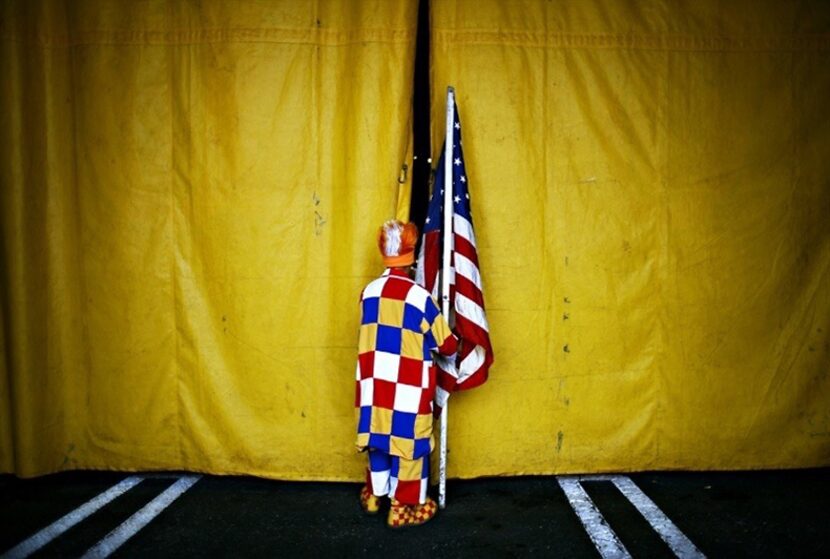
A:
(400, 327)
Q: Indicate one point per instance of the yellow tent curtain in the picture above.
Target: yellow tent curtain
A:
(190, 194)
(650, 188)
(190, 198)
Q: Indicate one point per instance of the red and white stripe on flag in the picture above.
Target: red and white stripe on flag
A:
(467, 299)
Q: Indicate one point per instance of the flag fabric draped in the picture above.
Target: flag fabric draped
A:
(467, 314)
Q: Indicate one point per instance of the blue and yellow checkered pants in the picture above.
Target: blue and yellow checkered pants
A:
(402, 479)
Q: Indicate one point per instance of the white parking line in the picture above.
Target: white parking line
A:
(665, 528)
(676, 540)
(139, 520)
(29, 546)
(604, 538)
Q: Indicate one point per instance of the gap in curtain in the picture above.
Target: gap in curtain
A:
(421, 165)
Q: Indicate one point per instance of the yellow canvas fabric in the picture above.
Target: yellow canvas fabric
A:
(190, 194)
(649, 183)
(190, 198)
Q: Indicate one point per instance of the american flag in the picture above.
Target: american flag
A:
(467, 314)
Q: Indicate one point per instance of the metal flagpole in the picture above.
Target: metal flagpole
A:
(445, 279)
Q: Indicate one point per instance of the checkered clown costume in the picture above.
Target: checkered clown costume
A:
(400, 327)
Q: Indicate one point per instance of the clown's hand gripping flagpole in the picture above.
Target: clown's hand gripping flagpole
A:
(445, 280)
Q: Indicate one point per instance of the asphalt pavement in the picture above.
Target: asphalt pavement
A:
(714, 514)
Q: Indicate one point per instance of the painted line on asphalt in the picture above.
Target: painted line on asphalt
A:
(604, 538)
(671, 534)
(46, 535)
(140, 519)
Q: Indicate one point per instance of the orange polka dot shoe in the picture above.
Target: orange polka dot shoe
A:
(368, 502)
(401, 516)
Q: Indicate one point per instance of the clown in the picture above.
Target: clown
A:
(400, 327)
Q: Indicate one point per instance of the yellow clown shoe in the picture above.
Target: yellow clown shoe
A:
(368, 502)
(425, 512)
(401, 516)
